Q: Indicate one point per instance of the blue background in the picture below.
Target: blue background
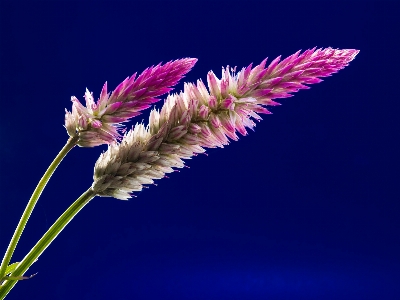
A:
(306, 207)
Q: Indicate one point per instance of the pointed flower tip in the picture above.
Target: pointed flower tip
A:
(354, 53)
(190, 62)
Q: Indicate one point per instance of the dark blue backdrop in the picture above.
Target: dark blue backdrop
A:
(306, 207)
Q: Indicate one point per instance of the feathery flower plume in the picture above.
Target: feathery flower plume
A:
(199, 118)
(98, 123)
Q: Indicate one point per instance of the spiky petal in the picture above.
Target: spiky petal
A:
(199, 118)
(98, 122)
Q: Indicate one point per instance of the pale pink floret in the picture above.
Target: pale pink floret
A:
(98, 122)
(199, 118)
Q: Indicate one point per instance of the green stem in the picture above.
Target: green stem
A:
(32, 202)
(46, 240)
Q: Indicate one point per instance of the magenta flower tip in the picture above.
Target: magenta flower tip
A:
(283, 77)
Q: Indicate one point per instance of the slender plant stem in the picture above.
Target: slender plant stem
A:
(32, 202)
(46, 240)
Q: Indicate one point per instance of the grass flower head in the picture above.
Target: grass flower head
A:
(98, 122)
(200, 118)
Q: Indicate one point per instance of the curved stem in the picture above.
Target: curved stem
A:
(32, 202)
(46, 240)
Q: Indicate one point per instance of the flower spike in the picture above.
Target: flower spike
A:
(198, 118)
(99, 122)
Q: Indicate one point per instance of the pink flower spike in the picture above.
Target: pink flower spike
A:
(129, 98)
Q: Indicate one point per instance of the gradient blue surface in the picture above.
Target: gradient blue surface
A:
(305, 207)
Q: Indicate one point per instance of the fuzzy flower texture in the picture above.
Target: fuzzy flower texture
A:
(200, 118)
(99, 123)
